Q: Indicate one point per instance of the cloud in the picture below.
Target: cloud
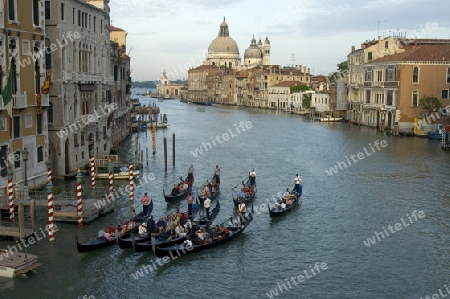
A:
(360, 16)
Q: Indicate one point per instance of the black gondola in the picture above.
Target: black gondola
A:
(278, 211)
(203, 222)
(94, 244)
(181, 195)
(184, 249)
(246, 193)
(145, 243)
(213, 194)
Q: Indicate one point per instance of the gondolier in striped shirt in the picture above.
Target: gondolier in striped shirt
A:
(145, 203)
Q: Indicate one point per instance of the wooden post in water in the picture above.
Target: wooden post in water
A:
(21, 222)
(146, 154)
(92, 152)
(165, 154)
(33, 214)
(10, 194)
(50, 210)
(79, 198)
(173, 149)
(131, 179)
(154, 139)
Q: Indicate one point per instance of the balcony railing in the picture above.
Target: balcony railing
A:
(19, 101)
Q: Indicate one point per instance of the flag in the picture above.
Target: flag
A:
(7, 97)
(7, 91)
(45, 89)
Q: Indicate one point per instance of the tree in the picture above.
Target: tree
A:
(297, 88)
(430, 104)
(343, 66)
(342, 69)
(307, 100)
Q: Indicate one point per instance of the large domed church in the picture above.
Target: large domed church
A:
(224, 51)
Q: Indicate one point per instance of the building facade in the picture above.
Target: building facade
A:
(80, 95)
(24, 75)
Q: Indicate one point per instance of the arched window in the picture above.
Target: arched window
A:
(448, 75)
(416, 74)
(14, 75)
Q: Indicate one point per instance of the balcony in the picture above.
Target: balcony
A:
(67, 76)
(19, 101)
(2, 106)
(45, 100)
(391, 84)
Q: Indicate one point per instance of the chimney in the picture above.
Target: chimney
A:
(362, 45)
(309, 71)
(300, 68)
(304, 69)
(353, 48)
(379, 38)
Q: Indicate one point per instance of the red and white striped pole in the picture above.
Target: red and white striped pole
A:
(111, 181)
(10, 195)
(92, 152)
(49, 170)
(50, 210)
(131, 180)
(79, 199)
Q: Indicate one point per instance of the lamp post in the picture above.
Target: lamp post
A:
(25, 159)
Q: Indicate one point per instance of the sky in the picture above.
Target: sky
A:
(174, 35)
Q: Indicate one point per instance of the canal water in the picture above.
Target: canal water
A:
(396, 194)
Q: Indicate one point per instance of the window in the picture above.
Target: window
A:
(73, 16)
(416, 74)
(12, 10)
(379, 75)
(3, 161)
(79, 17)
(95, 23)
(75, 140)
(16, 126)
(47, 10)
(39, 124)
(386, 45)
(36, 12)
(368, 75)
(448, 75)
(40, 154)
(444, 94)
(17, 161)
(101, 26)
(50, 113)
(415, 98)
(390, 74)
(37, 76)
(25, 47)
(28, 120)
(367, 96)
(390, 97)
(63, 12)
(369, 56)
(82, 138)
(3, 123)
(48, 58)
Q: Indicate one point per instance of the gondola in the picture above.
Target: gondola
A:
(213, 195)
(94, 244)
(235, 229)
(145, 243)
(245, 196)
(203, 222)
(279, 211)
(181, 195)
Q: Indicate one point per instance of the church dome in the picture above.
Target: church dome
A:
(253, 51)
(223, 43)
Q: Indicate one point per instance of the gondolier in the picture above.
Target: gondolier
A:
(241, 210)
(217, 174)
(297, 182)
(207, 205)
(252, 177)
(145, 203)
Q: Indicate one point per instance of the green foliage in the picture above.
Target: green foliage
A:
(343, 66)
(297, 88)
(307, 100)
(430, 104)
(56, 190)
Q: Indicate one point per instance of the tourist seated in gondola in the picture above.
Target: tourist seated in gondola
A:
(103, 234)
(205, 191)
(213, 188)
(175, 190)
(180, 232)
(171, 231)
(214, 234)
(111, 229)
(200, 236)
(161, 224)
(143, 229)
(241, 195)
(163, 236)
